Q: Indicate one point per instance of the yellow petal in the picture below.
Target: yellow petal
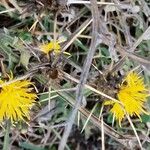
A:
(16, 99)
(132, 95)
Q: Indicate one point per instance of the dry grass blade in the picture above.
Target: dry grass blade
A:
(102, 133)
(135, 132)
(144, 36)
(117, 66)
(12, 2)
(88, 2)
(84, 75)
(89, 117)
(67, 76)
(73, 37)
(8, 10)
(135, 57)
(18, 79)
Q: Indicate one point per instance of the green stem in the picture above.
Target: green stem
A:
(6, 138)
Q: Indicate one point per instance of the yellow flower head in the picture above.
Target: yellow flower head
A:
(52, 46)
(49, 47)
(132, 95)
(16, 99)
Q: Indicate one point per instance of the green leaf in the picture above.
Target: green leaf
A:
(24, 58)
(145, 118)
(25, 36)
(110, 118)
(30, 146)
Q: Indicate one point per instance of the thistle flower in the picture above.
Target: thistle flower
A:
(16, 99)
(132, 95)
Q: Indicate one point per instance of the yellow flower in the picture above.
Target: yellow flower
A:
(16, 99)
(51, 46)
(132, 95)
